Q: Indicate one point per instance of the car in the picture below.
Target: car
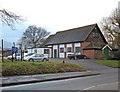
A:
(77, 56)
(18, 56)
(71, 56)
(35, 57)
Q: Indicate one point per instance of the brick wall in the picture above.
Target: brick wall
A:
(99, 54)
(83, 45)
(94, 54)
(89, 53)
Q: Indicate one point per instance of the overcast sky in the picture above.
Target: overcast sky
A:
(56, 15)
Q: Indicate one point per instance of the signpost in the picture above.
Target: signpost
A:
(14, 50)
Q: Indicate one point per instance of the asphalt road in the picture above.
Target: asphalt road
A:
(108, 80)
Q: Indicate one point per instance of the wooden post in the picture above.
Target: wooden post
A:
(21, 54)
(2, 50)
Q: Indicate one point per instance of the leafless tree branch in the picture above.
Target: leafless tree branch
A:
(111, 27)
(10, 18)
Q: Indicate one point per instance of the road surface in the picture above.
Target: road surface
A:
(108, 80)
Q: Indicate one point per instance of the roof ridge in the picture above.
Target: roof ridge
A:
(76, 28)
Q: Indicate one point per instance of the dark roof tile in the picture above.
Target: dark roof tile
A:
(71, 35)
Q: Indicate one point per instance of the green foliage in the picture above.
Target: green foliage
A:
(115, 55)
(28, 68)
(110, 63)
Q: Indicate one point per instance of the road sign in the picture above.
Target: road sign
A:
(14, 49)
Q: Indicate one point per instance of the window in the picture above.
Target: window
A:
(46, 51)
(69, 49)
(29, 54)
(37, 55)
(77, 49)
(61, 50)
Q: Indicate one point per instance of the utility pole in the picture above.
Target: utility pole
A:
(21, 54)
(20, 48)
(15, 53)
(12, 57)
(2, 51)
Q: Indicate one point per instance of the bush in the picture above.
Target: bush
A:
(29, 68)
(114, 55)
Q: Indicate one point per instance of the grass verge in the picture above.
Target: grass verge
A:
(29, 68)
(110, 63)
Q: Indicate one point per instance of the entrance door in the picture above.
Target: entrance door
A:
(106, 53)
(55, 53)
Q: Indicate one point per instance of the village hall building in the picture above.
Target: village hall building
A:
(87, 40)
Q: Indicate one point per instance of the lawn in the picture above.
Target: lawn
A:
(110, 63)
(29, 68)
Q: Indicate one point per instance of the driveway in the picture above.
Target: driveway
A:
(90, 64)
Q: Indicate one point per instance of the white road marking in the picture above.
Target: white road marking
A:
(100, 85)
(89, 88)
(48, 82)
(108, 84)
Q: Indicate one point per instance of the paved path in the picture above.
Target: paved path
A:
(17, 80)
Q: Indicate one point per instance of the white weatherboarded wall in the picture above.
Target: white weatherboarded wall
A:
(61, 55)
(50, 51)
(68, 45)
(40, 51)
(55, 47)
(77, 45)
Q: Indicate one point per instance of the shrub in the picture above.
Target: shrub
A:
(29, 68)
(115, 55)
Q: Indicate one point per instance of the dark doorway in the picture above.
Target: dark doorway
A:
(55, 53)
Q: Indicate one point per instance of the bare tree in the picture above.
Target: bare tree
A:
(22, 43)
(111, 28)
(9, 18)
(34, 36)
